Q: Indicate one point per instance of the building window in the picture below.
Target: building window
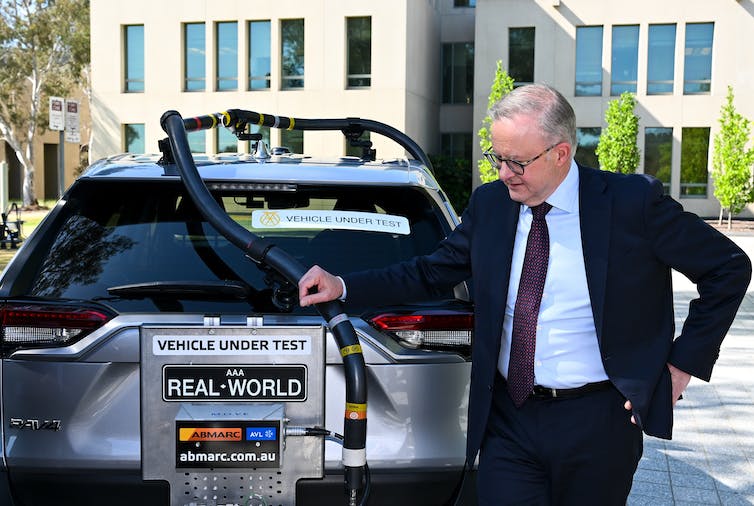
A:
(356, 150)
(292, 53)
(293, 140)
(194, 56)
(133, 39)
(197, 141)
(464, 3)
(226, 55)
(259, 55)
(226, 141)
(697, 64)
(586, 146)
(588, 61)
(133, 138)
(694, 154)
(458, 73)
(661, 59)
(658, 153)
(457, 145)
(625, 59)
(521, 55)
(359, 45)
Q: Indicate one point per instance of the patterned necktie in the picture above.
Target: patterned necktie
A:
(526, 311)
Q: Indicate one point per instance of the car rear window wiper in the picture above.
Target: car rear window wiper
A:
(184, 289)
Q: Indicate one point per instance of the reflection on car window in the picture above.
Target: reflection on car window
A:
(78, 256)
(125, 233)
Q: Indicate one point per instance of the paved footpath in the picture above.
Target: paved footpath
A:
(711, 457)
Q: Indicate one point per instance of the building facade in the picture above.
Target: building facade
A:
(306, 59)
(425, 67)
(677, 56)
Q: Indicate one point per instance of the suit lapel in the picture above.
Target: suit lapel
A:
(500, 253)
(595, 205)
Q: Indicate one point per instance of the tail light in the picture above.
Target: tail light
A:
(429, 329)
(38, 325)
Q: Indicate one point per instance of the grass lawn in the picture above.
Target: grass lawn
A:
(30, 221)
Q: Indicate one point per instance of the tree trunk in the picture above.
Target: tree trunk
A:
(720, 218)
(730, 219)
(27, 164)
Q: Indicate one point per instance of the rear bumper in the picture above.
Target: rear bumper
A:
(394, 488)
(83, 489)
(5, 496)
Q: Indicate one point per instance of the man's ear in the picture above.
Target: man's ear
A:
(563, 151)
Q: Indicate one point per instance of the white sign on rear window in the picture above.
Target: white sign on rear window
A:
(346, 220)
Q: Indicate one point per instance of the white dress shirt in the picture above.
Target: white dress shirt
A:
(567, 354)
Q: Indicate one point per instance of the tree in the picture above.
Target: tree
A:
(617, 149)
(731, 161)
(501, 86)
(454, 175)
(44, 47)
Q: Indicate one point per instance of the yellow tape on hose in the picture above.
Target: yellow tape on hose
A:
(350, 350)
(356, 411)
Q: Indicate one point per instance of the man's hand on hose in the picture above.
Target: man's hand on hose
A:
(326, 287)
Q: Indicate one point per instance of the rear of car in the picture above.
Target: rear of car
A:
(127, 250)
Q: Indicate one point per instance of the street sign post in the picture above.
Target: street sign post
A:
(64, 117)
(57, 115)
(72, 126)
(57, 122)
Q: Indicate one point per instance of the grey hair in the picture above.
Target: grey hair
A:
(555, 114)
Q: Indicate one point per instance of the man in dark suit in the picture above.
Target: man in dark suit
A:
(574, 351)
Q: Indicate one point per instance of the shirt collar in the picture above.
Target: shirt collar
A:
(566, 195)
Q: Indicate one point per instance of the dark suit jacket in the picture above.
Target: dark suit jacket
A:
(632, 236)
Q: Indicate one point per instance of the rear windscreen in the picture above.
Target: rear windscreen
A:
(122, 233)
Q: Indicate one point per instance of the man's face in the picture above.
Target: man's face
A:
(520, 138)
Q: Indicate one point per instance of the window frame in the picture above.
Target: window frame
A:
(661, 169)
(587, 150)
(352, 79)
(289, 81)
(222, 59)
(655, 53)
(624, 58)
(129, 59)
(450, 76)
(186, 58)
(253, 55)
(687, 187)
(140, 137)
(529, 55)
(690, 60)
(580, 49)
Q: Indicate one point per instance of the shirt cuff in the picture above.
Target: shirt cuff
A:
(342, 298)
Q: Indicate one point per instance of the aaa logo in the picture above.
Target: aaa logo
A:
(270, 219)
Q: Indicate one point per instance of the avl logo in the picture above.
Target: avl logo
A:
(261, 433)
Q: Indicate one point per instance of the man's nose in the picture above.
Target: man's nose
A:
(505, 173)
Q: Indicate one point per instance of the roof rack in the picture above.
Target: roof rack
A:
(239, 122)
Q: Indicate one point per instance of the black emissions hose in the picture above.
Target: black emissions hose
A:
(264, 252)
(237, 119)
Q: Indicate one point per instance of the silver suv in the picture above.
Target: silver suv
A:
(148, 360)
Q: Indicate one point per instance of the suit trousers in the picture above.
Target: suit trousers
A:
(564, 451)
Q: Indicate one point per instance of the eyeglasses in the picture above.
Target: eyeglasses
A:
(514, 165)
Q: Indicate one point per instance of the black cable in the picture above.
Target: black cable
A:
(338, 438)
(455, 497)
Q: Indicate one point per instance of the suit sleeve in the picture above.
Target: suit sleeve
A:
(419, 278)
(718, 267)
